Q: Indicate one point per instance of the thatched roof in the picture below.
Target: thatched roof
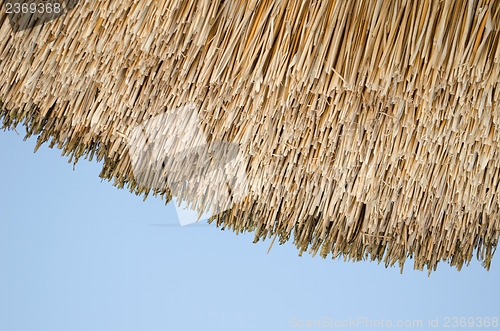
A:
(368, 129)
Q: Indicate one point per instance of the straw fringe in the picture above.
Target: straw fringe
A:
(372, 127)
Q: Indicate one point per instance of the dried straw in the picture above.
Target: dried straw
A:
(371, 127)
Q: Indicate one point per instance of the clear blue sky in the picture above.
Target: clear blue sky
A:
(78, 254)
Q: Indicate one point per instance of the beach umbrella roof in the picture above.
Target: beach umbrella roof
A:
(362, 129)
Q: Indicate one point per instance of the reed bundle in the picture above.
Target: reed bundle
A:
(370, 129)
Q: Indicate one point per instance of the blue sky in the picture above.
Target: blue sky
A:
(78, 254)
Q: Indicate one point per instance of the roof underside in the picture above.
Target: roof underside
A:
(366, 129)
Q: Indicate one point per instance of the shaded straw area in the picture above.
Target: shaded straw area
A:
(370, 128)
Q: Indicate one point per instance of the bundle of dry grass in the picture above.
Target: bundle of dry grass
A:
(369, 128)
